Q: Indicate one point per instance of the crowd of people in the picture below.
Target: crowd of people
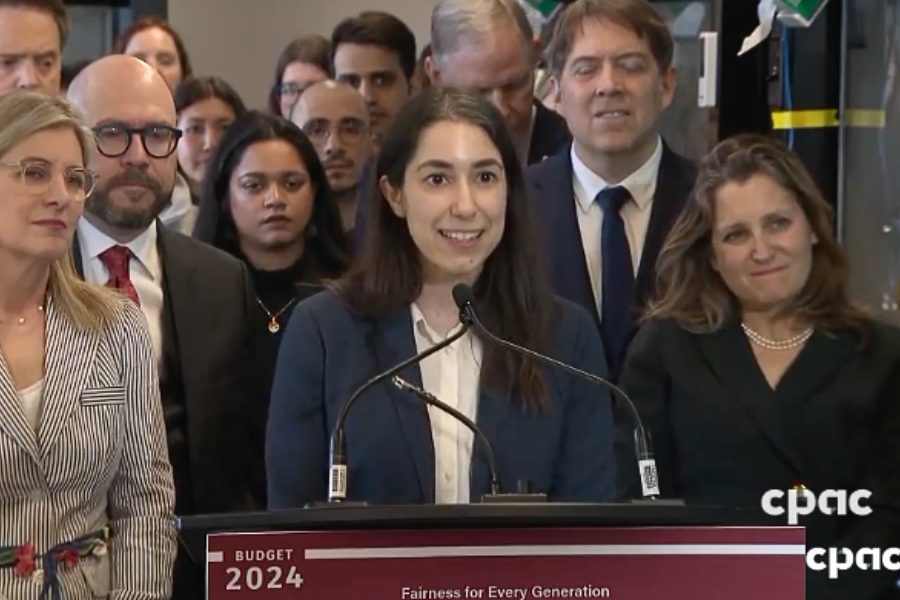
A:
(190, 289)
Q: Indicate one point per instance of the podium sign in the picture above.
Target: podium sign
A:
(676, 563)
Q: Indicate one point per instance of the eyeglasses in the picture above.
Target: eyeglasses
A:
(292, 89)
(349, 130)
(37, 178)
(159, 141)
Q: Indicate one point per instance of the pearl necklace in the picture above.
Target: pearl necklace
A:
(764, 342)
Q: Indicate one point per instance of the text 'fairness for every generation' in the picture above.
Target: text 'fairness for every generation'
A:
(495, 592)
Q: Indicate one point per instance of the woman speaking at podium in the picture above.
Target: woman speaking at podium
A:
(448, 207)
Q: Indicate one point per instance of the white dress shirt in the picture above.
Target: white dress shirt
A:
(144, 269)
(32, 399)
(451, 376)
(641, 184)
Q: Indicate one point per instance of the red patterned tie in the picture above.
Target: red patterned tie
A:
(117, 260)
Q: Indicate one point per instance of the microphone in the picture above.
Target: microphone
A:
(496, 494)
(465, 301)
(431, 400)
(337, 486)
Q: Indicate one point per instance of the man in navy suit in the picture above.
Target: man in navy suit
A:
(606, 203)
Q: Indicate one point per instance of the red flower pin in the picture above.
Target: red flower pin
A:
(69, 558)
(25, 560)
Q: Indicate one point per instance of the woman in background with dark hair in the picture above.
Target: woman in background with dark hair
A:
(450, 208)
(266, 201)
(302, 63)
(153, 40)
(755, 372)
(206, 107)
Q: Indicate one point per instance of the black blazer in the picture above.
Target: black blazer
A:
(723, 437)
(549, 135)
(208, 312)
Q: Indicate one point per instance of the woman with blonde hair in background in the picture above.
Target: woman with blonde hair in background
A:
(86, 493)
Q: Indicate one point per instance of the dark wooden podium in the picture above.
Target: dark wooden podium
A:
(499, 552)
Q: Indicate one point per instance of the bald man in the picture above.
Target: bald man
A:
(197, 300)
(336, 119)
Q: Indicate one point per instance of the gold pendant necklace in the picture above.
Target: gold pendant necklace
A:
(274, 325)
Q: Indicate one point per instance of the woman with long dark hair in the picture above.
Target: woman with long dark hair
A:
(449, 208)
(206, 107)
(265, 200)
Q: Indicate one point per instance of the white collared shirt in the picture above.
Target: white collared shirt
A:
(32, 399)
(145, 271)
(636, 213)
(451, 376)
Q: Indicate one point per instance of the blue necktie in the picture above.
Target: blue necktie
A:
(618, 277)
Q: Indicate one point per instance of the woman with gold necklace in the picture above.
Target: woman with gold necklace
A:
(265, 199)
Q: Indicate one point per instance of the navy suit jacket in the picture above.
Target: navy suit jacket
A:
(327, 352)
(550, 183)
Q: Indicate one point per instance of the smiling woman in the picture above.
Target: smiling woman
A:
(453, 200)
(755, 371)
(448, 207)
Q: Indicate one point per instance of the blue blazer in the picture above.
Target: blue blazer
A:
(327, 352)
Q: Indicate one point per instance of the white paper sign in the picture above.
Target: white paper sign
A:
(767, 11)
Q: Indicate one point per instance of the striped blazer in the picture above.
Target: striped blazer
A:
(98, 459)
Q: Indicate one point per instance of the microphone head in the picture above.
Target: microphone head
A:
(463, 296)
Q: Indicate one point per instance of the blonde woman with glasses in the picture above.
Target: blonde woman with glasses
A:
(86, 493)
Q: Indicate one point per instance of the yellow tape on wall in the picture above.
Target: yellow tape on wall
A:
(817, 119)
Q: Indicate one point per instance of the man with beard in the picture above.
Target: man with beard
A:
(335, 118)
(197, 299)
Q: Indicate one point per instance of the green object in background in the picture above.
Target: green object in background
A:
(545, 7)
(799, 13)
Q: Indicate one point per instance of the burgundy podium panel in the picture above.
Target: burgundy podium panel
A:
(682, 563)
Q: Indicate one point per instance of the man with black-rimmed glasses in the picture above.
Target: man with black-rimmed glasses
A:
(197, 300)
